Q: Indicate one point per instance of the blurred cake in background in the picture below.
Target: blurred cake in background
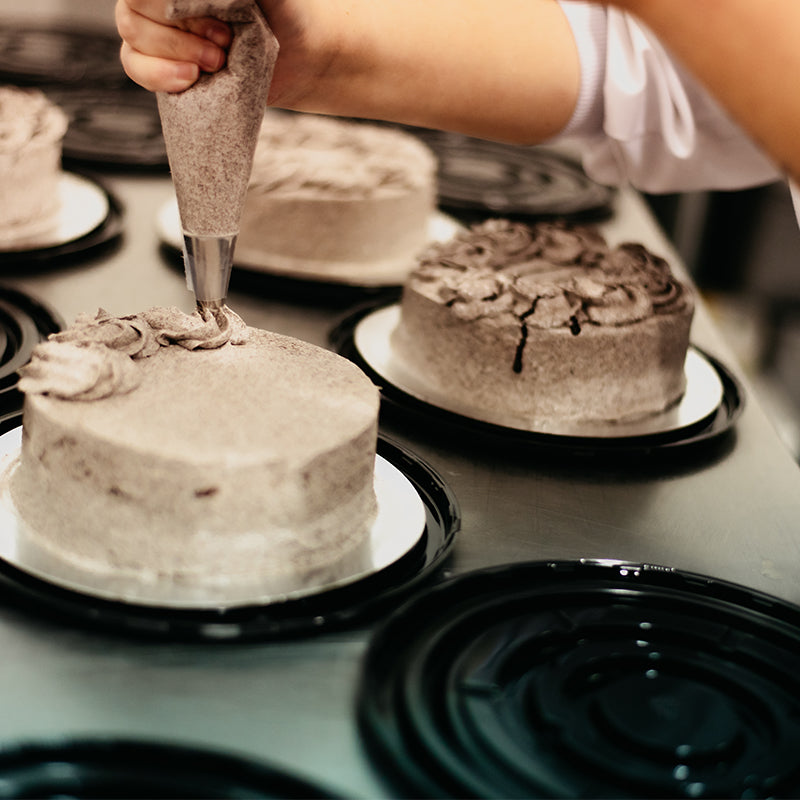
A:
(32, 129)
(328, 194)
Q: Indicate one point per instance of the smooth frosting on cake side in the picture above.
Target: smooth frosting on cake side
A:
(212, 456)
(545, 322)
(326, 191)
(32, 129)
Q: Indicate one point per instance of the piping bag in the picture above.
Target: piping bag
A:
(210, 131)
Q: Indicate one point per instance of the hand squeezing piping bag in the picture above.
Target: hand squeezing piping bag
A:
(210, 131)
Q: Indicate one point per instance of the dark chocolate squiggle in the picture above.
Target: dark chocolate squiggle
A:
(549, 275)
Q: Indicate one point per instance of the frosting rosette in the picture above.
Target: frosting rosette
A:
(634, 265)
(95, 357)
(549, 275)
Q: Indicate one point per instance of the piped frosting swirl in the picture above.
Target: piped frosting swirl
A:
(95, 357)
(550, 275)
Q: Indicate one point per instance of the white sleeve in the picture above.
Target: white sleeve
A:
(795, 192)
(643, 119)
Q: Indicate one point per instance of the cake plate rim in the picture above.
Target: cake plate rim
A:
(325, 608)
(343, 337)
(75, 190)
(96, 230)
(441, 226)
(389, 544)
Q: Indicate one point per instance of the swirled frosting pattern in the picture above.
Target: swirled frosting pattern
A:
(548, 275)
(95, 357)
(307, 153)
(27, 115)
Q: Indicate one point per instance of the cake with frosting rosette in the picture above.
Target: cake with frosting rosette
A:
(165, 446)
(32, 130)
(546, 323)
(327, 195)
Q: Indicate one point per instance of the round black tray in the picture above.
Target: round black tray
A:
(131, 768)
(345, 606)
(111, 128)
(24, 322)
(398, 404)
(480, 176)
(300, 291)
(586, 679)
(105, 235)
(39, 55)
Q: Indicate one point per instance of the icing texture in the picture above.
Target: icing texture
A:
(95, 357)
(31, 133)
(545, 325)
(26, 115)
(230, 473)
(549, 276)
(322, 157)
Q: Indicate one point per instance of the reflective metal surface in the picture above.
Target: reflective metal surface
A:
(731, 510)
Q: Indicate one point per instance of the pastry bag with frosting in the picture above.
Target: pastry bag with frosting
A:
(210, 131)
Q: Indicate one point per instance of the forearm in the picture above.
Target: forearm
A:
(502, 69)
(747, 53)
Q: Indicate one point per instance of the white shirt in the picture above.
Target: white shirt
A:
(643, 119)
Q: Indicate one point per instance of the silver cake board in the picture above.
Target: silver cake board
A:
(715, 401)
(417, 522)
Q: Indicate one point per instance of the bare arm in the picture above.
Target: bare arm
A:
(748, 54)
(503, 69)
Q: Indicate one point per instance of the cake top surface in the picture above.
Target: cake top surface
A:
(323, 156)
(550, 274)
(27, 115)
(176, 385)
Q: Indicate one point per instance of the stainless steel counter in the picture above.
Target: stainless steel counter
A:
(733, 514)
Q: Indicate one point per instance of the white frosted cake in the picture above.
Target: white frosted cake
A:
(546, 323)
(32, 129)
(162, 447)
(327, 195)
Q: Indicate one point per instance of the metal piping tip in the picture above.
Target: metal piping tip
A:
(208, 261)
(212, 309)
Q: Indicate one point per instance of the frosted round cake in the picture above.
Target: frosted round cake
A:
(546, 323)
(162, 446)
(32, 129)
(327, 195)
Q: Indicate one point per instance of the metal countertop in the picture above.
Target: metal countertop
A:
(732, 514)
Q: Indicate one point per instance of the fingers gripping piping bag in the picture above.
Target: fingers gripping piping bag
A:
(210, 131)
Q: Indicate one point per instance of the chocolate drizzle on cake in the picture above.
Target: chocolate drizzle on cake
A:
(523, 338)
(547, 275)
(545, 323)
